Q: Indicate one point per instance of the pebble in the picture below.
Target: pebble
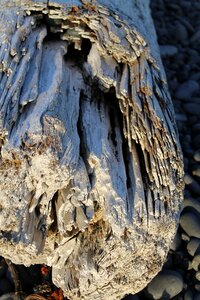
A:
(11, 296)
(188, 295)
(190, 202)
(197, 156)
(188, 179)
(180, 33)
(192, 108)
(187, 89)
(168, 50)
(185, 237)
(195, 262)
(197, 275)
(193, 245)
(196, 296)
(196, 172)
(165, 285)
(197, 287)
(190, 222)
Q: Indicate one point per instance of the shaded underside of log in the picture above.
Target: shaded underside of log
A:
(91, 169)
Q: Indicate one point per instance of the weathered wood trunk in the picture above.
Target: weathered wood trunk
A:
(91, 169)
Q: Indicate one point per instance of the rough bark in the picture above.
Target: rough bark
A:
(91, 168)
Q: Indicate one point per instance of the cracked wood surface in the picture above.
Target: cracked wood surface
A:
(91, 168)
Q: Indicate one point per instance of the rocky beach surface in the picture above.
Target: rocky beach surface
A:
(178, 29)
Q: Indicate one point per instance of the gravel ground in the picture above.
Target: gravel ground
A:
(177, 24)
(178, 28)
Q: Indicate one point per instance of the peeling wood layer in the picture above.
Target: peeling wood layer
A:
(91, 169)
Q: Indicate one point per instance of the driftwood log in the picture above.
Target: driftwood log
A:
(90, 166)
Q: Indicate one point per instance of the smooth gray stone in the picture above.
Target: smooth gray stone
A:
(181, 117)
(197, 156)
(192, 108)
(188, 179)
(196, 262)
(190, 223)
(197, 275)
(187, 89)
(196, 296)
(181, 34)
(165, 285)
(168, 50)
(188, 295)
(197, 287)
(191, 202)
(196, 172)
(193, 245)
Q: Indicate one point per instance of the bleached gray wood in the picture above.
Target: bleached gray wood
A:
(91, 168)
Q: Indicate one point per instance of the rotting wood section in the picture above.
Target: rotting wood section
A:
(91, 169)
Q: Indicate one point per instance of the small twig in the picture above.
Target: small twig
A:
(15, 276)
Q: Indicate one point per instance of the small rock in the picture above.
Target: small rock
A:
(11, 296)
(185, 237)
(190, 202)
(187, 89)
(193, 245)
(197, 296)
(197, 275)
(188, 179)
(197, 156)
(165, 285)
(190, 222)
(180, 33)
(168, 50)
(196, 262)
(192, 108)
(181, 117)
(196, 172)
(188, 295)
(197, 287)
